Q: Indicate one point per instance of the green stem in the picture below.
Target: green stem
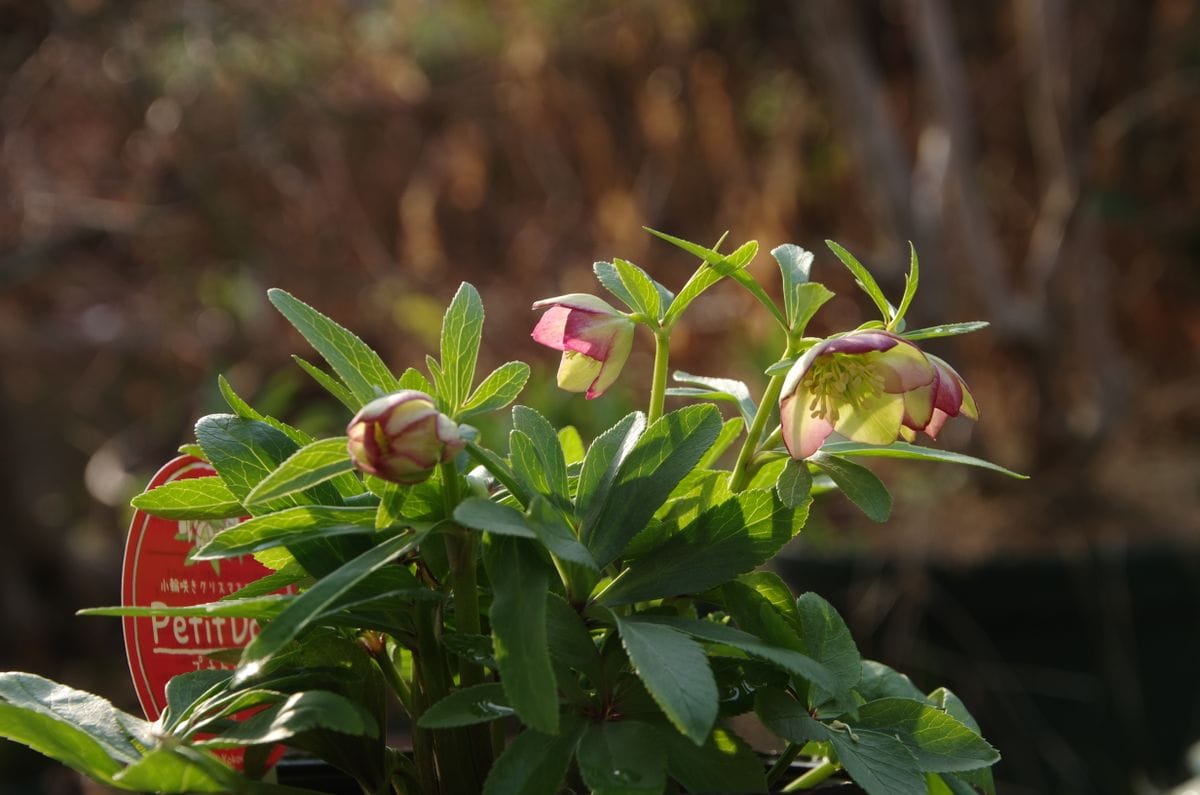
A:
(658, 387)
(742, 470)
(813, 777)
(783, 763)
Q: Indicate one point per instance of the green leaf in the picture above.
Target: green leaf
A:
(728, 435)
(193, 498)
(880, 681)
(734, 537)
(500, 470)
(622, 757)
(858, 483)
(359, 367)
(724, 764)
(915, 453)
(301, 523)
(610, 279)
(528, 466)
(297, 714)
(549, 452)
(500, 388)
(827, 639)
(534, 763)
(877, 762)
(675, 671)
(556, 535)
(243, 452)
(180, 770)
(794, 486)
(184, 690)
(462, 329)
(865, 280)
(312, 604)
(483, 514)
(312, 464)
(646, 296)
(715, 267)
(939, 742)
(466, 707)
(412, 378)
(520, 582)
(572, 444)
(570, 641)
(602, 462)
(717, 389)
(800, 301)
(945, 330)
(911, 280)
(791, 661)
(664, 454)
(259, 607)
(329, 384)
(243, 409)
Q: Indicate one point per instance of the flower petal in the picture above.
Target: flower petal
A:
(583, 301)
(803, 434)
(551, 329)
(905, 367)
(578, 371)
(617, 354)
(918, 407)
(874, 420)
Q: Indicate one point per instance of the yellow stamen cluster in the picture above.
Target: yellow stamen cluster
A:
(838, 379)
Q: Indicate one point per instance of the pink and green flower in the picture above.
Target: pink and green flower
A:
(594, 337)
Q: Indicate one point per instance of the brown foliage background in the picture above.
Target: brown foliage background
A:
(162, 164)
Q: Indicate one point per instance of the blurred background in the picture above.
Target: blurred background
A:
(163, 164)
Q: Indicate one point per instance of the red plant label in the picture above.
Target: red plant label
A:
(157, 573)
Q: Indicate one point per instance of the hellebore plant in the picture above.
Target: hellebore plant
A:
(536, 614)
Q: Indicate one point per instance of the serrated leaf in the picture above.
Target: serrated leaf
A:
(791, 661)
(730, 539)
(911, 280)
(261, 607)
(462, 329)
(721, 389)
(730, 431)
(880, 681)
(610, 279)
(298, 713)
(602, 462)
(556, 535)
(309, 466)
(675, 671)
(663, 455)
(179, 770)
(914, 453)
(492, 517)
(938, 741)
(945, 330)
(497, 390)
(622, 757)
(877, 762)
(827, 639)
(646, 296)
(359, 367)
(570, 641)
(243, 409)
(311, 604)
(300, 523)
(727, 267)
(716, 267)
(724, 764)
(191, 498)
(794, 486)
(412, 378)
(549, 452)
(107, 737)
(520, 582)
(534, 763)
(859, 484)
(329, 384)
(467, 707)
(795, 265)
(572, 444)
(865, 280)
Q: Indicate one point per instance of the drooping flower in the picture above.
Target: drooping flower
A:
(402, 437)
(866, 385)
(594, 337)
(950, 396)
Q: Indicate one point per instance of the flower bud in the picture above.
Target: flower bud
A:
(594, 337)
(402, 437)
